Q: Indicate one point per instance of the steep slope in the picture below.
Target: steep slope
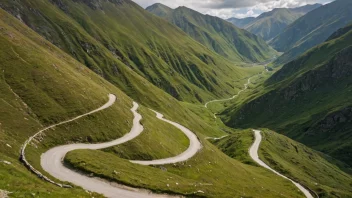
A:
(40, 85)
(112, 37)
(309, 99)
(241, 23)
(312, 29)
(217, 34)
(269, 24)
(310, 168)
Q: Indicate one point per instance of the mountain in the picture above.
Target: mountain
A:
(295, 160)
(241, 23)
(312, 29)
(41, 85)
(269, 24)
(305, 9)
(309, 99)
(113, 37)
(60, 59)
(218, 35)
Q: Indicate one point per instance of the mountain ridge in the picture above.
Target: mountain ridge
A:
(217, 34)
(311, 29)
(269, 24)
(307, 100)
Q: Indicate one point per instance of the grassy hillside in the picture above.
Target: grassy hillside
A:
(300, 163)
(309, 99)
(241, 23)
(216, 34)
(41, 85)
(312, 29)
(269, 24)
(112, 38)
(305, 165)
(209, 174)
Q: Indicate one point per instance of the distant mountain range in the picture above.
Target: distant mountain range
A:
(309, 99)
(312, 29)
(270, 24)
(217, 34)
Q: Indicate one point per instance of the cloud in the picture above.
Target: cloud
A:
(232, 8)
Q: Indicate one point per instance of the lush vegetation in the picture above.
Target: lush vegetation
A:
(113, 38)
(210, 174)
(41, 85)
(218, 35)
(88, 49)
(309, 99)
(309, 167)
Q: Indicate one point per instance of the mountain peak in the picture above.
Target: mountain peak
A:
(159, 9)
(159, 5)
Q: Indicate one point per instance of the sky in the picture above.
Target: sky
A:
(232, 8)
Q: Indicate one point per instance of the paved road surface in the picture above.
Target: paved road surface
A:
(253, 152)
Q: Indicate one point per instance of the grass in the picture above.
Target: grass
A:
(125, 37)
(158, 140)
(216, 34)
(272, 23)
(209, 171)
(301, 98)
(305, 165)
(236, 145)
(41, 85)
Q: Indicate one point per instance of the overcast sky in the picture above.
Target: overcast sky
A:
(231, 8)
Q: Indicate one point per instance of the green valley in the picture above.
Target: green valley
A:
(103, 98)
(308, 99)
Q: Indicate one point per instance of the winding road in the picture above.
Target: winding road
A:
(253, 152)
(233, 97)
(193, 148)
(52, 160)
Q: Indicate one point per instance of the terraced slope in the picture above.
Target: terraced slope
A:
(309, 99)
(113, 37)
(218, 35)
(312, 29)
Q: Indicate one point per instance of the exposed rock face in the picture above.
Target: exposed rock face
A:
(333, 120)
(4, 194)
